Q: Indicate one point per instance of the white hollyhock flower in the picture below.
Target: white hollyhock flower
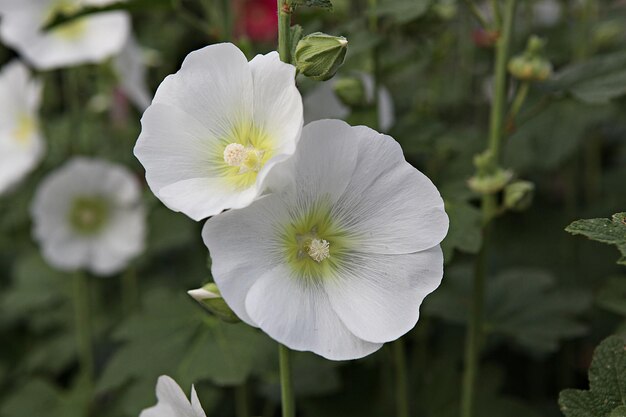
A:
(131, 70)
(547, 12)
(21, 143)
(322, 103)
(88, 214)
(88, 39)
(172, 401)
(340, 254)
(216, 128)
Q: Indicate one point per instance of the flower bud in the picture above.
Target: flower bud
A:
(210, 298)
(351, 91)
(531, 65)
(490, 184)
(319, 56)
(519, 195)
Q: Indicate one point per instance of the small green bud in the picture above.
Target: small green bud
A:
(490, 184)
(519, 195)
(319, 56)
(532, 64)
(210, 298)
(351, 91)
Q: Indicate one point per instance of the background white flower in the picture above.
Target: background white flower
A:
(85, 40)
(172, 401)
(216, 128)
(131, 70)
(21, 143)
(88, 214)
(322, 103)
(339, 258)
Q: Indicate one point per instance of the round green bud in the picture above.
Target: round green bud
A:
(490, 184)
(210, 298)
(319, 56)
(351, 91)
(532, 64)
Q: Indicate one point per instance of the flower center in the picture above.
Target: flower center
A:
(246, 158)
(318, 249)
(88, 214)
(24, 128)
(71, 30)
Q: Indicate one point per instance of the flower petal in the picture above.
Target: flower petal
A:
(297, 313)
(214, 85)
(389, 206)
(243, 246)
(277, 101)
(172, 401)
(378, 296)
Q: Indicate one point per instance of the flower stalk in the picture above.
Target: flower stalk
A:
(489, 210)
(284, 29)
(83, 326)
(286, 387)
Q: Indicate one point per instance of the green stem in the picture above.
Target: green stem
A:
(284, 30)
(497, 17)
(286, 388)
(373, 28)
(83, 326)
(402, 391)
(489, 209)
(241, 401)
(518, 101)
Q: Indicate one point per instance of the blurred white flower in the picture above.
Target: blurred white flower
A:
(172, 401)
(340, 254)
(547, 12)
(131, 71)
(322, 103)
(88, 39)
(21, 143)
(216, 128)
(88, 214)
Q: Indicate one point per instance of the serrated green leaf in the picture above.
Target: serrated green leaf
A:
(606, 396)
(523, 305)
(611, 231)
(465, 233)
(598, 80)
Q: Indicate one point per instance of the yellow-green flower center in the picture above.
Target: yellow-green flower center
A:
(24, 128)
(88, 214)
(70, 30)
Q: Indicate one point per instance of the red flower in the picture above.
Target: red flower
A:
(257, 19)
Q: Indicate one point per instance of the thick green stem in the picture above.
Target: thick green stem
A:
(286, 388)
(241, 401)
(83, 326)
(489, 209)
(477, 14)
(373, 27)
(284, 30)
(402, 390)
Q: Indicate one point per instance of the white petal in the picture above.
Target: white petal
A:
(386, 110)
(243, 246)
(131, 71)
(297, 313)
(277, 102)
(389, 205)
(378, 296)
(172, 401)
(195, 403)
(214, 85)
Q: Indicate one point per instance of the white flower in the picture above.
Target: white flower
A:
(131, 71)
(172, 401)
(88, 214)
(547, 12)
(323, 103)
(216, 128)
(85, 40)
(337, 258)
(21, 143)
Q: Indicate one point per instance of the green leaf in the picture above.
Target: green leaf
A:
(606, 396)
(402, 11)
(612, 295)
(322, 4)
(523, 305)
(465, 229)
(40, 398)
(611, 231)
(598, 80)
